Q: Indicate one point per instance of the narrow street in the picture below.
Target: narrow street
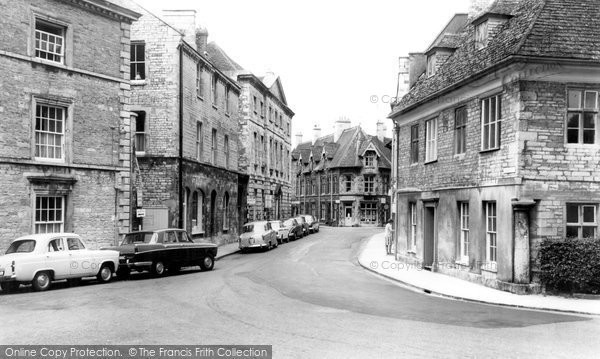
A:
(308, 298)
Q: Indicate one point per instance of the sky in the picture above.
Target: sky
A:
(334, 58)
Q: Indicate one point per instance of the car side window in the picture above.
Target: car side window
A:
(74, 244)
(179, 236)
(185, 238)
(160, 237)
(171, 238)
(56, 245)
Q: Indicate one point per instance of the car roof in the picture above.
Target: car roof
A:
(45, 236)
(158, 230)
(255, 223)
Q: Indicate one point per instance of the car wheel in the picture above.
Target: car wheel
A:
(207, 263)
(41, 281)
(9, 286)
(158, 268)
(105, 274)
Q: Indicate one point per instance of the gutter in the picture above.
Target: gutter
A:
(507, 61)
(180, 158)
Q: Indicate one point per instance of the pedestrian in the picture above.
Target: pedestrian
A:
(388, 236)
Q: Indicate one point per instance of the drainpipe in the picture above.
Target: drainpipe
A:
(180, 159)
(395, 194)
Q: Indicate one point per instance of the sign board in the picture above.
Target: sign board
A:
(251, 201)
(140, 213)
(383, 200)
(337, 201)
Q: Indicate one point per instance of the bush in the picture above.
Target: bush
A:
(571, 265)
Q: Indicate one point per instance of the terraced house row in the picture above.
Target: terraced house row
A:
(117, 119)
(497, 140)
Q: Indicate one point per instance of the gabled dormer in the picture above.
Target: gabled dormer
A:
(370, 156)
(445, 43)
(487, 26)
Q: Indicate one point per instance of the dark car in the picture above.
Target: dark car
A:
(313, 224)
(162, 250)
(305, 228)
(287, 230)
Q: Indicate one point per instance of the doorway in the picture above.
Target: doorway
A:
(428, 236)
(348, 216)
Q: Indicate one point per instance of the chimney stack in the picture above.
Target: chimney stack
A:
(201, 40)
(316, 133)
(381, 130)
(403, 77)
(298, 138)
(341, 124)
(184, 21)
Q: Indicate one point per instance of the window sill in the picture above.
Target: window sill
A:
(227, 114)
(489, 150)
(463, 262)
(49, 160)
(430, 162)
(585, 146)
(138, 82)
(491, 267)
(215, 107)
(201, 98)
(140, 153)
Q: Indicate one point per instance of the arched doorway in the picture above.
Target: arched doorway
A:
(213, 217)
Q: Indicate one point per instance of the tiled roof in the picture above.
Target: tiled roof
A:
(221, 60)
(449, 35)
(565, 29)
(345, 152)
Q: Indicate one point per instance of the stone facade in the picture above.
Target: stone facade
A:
(481, 212)
(338, 185)
(265, 127)
(65, 133)
(186, 169)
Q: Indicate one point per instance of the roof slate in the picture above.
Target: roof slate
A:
(565, 29)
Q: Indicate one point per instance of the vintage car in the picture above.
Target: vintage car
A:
(287, 230)
(305, 227)
(258, 235)
(40, 259)
(163, 250)
(313, 224)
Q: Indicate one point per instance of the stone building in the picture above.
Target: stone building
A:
(265, 138)
(498, 140)
(186, 131)
(65, 130)
(343, 178)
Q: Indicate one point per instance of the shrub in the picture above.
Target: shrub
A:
(571, 265)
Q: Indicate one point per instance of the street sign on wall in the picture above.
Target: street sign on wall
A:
(140, 213)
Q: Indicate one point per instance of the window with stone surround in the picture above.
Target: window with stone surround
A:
(491, 244)
(491, 112)
(199, 141)
(49, 214)
(197, 212)
(460, 129)
(227, 99)
(213, 147)
(581, 220)
(431, 140)
(226, 212)
(385, 184)
(50, 41)
(414, 144)
(50, 122)
(199, 81)
(137, 60)
(369, 183)
(412, 221)
(370, 159)
(226, 150)
(215, 90)
(464, 232)
(368, 212)
(140, 133)
(431, 68)
(348, 183)
(582, 116)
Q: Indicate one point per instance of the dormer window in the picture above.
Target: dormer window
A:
(481, 35)
(431, 65)
(369, 159)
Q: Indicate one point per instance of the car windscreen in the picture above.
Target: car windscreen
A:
(300, 220)
(133, 238)
(248, 228)
(24, 246)
(288, 223)
(276, 225)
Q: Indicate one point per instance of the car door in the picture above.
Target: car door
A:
(57, 258)
(172, 251)
(81, 262)
(189, 249)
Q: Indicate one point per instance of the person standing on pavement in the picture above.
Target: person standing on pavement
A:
(388, 237)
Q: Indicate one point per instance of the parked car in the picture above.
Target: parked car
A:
(163, 250)
(305, 228)
(313, 224)
(40, 259)
(294, 229)
(258, 235)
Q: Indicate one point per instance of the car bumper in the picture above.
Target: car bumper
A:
(134, 265)
(255, 245)
(8, 278)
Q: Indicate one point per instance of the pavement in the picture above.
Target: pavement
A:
(373, 258)
(227, 250)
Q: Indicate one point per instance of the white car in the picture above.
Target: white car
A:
(258, 235)
(40, 259)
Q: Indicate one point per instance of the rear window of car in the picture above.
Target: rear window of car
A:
(248, 228)
(276, 225)
(133, 238)
(300, 219)
(24, 246)
(288, 223)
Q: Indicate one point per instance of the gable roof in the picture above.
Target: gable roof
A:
(550, 29)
